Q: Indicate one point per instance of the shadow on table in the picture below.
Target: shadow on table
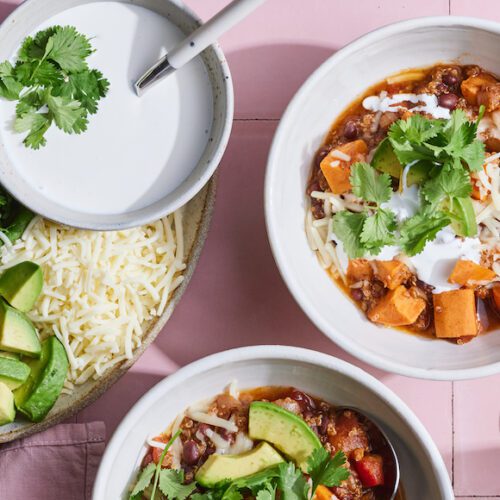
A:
(266, 77)
(5, 9)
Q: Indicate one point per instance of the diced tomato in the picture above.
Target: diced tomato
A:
(370, 470)
(156, 452)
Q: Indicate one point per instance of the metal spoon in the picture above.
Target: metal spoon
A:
(382, 446)
(195, 43)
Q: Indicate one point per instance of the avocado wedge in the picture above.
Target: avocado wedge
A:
(219, 468)
(7, 409)
(17, 333)
(283, 429)
(384, 160)
(21, 285)
(39, 393)
(13, 373)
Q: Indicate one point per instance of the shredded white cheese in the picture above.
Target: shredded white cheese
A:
(206, 418)
(101, 289)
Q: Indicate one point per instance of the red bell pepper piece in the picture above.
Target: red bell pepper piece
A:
(370, 470)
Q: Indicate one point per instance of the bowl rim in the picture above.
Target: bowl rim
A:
(287, 273)
(158, 209)
(278, 353)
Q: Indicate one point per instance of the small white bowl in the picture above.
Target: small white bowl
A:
(416, 43)
(140, 158)
(423, 472)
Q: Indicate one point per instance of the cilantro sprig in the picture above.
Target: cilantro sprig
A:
(446, 151)
(370, 230)
(284, 478)
(53, 84)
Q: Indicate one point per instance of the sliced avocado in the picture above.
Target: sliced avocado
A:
(21, 285)
(7, 409)
(17, 333)
(219, 468)
(385, 160)
(10, 355)
(283, 429)
(464, 218)
(13, 372)
(39, 393)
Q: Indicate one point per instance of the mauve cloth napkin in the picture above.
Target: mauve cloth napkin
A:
(57, 464)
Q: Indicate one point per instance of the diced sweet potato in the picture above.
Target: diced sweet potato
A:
(337, 170)
(322, 493)
(489, 97)
(358, 270)
(472, 85)
(495, 293)
(466, 273)
(391, 273)
(398, 308)
(455, 314)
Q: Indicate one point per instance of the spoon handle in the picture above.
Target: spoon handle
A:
(197, 41)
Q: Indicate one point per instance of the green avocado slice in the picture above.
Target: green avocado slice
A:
(7, 409)
(219, 468)
(39, 393)
(13, 372)
(284, 430)
(17, 333)
(21, 285)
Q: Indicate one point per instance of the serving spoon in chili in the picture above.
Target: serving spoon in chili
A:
(382, 446)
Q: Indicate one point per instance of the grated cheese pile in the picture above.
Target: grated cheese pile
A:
(100, 288)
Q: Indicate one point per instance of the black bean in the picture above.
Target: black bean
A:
(450, 80)
(350, 130)
(357, 294)
(190, 452)
(322, 152)
(448, 101)
(305, 401)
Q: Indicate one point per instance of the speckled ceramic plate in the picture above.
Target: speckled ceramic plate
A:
(196, 219)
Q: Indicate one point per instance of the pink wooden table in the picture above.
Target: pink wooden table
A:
(236, 296)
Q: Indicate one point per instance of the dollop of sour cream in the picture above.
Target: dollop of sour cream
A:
(427, 103)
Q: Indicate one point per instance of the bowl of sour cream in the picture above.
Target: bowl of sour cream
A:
(140, 158)
(341, 80)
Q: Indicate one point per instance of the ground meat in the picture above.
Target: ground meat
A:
(372, 291)
(289, 404)
(349, 434)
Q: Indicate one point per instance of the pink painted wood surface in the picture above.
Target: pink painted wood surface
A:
(236, 296)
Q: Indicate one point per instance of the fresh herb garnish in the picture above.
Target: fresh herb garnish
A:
(52, 83)
(284, 478)
(370, 230)
(14, 217)
(446, 151)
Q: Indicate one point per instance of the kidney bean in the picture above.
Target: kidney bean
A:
(350, 130)
(305, 402)
(147, 460)
(448, 101)
(190, 452)
(450, 80)
(203, 428)
(357, 294)
(225, 434)
(323, 428)
(322, 152)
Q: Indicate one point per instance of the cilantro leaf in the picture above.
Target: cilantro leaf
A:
(348, 227)
(369, 184)
(268, 492)
(38, 73)
(378, 230)
(171, 484)
(68, 114)
(9, 86)
(144, 480)
(68, 49)
(420, 229)
(37, 124)
(291, 482)
(325, 469)
(448, 183)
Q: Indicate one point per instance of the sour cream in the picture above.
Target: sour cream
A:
(429, 104)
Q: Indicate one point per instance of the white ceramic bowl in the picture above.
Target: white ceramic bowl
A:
(140, 158)
(422, 470)
(330, 89)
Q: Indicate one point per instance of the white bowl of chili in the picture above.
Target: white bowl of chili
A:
(423, 473)
(322, 99)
